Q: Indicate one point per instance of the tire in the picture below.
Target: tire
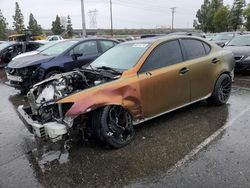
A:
(113, 125)
(24, 91)
(222, 91)
(52, 73)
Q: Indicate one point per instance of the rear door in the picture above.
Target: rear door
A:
(164, 80)
(201, 65)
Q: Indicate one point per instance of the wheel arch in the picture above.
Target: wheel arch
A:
(53, 69)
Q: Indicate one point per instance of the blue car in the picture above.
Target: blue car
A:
(64, 56)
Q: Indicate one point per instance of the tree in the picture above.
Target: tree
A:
(246, 14)
(18, 23)
(221, 19)
(57, 28)
(213, 8)
(202, 16)
(33, 26)
(236, 16)
(69, 27)
(3, 27)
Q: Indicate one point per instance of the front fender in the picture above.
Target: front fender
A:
(88, 100)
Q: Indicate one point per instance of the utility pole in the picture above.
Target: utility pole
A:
(111, 18)
(83, 20)
(173, 11)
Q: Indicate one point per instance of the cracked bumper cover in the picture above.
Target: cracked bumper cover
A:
(51, 130)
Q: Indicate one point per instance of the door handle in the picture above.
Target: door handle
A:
(183, 70)
(215, 60)
(148, 73)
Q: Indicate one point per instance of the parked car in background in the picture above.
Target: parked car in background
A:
(240, 46)
(54, 37)
(223, 38)
(151, 35)
(210, 36)
(129, 84)
(64, 56)
(37, 51)
(9, 50)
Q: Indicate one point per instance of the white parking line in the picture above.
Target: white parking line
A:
(206, 142)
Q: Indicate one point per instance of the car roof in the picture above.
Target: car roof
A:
(152, 40)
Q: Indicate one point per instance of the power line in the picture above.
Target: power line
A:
(92, 19)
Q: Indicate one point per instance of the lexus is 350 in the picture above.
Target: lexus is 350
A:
(129, 84)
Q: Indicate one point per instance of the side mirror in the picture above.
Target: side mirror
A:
(75, 56)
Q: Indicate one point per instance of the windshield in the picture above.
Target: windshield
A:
(240, 41)
(223, 36)
(45, 46)
(121, 57)
(3, 45)
(58, 48)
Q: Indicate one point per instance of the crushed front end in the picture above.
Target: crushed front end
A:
(46, 118)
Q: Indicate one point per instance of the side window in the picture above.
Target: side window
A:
(54, 38)
(207, 48)
(30, 47)
(166, 54)
(106, 45)
(194, 48)
(85, 48)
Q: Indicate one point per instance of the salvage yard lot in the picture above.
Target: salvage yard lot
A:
(159, 145)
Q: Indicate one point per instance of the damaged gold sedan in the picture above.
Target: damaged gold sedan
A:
(130, 83)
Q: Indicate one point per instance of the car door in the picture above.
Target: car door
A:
(86, 52)
(164, 79)
(201, 65)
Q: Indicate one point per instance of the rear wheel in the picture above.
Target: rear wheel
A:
(113, 125)
(222, 90)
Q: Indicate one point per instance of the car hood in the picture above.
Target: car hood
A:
(30, 61)
(239, 50)
(25, 54)
(220, 41)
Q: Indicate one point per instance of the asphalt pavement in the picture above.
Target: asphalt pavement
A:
(197, 146)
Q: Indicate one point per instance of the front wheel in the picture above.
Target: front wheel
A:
(222, 90)
(113, 125)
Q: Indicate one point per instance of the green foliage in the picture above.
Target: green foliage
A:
(202, 16)
(236, 16)
(221, 19)
(205, 15)
(69, 27)
(213, 16)
(3, 27)
(57, 27)
(246, 14)
(34, 27)
(18, 23)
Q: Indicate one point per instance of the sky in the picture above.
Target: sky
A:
(126, 13)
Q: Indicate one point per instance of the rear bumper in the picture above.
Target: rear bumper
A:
(49, 131)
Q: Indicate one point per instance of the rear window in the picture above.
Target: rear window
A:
(194, 48)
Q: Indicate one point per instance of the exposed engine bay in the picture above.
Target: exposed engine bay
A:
(45, 116)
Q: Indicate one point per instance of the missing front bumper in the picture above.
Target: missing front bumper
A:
(52, 130)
